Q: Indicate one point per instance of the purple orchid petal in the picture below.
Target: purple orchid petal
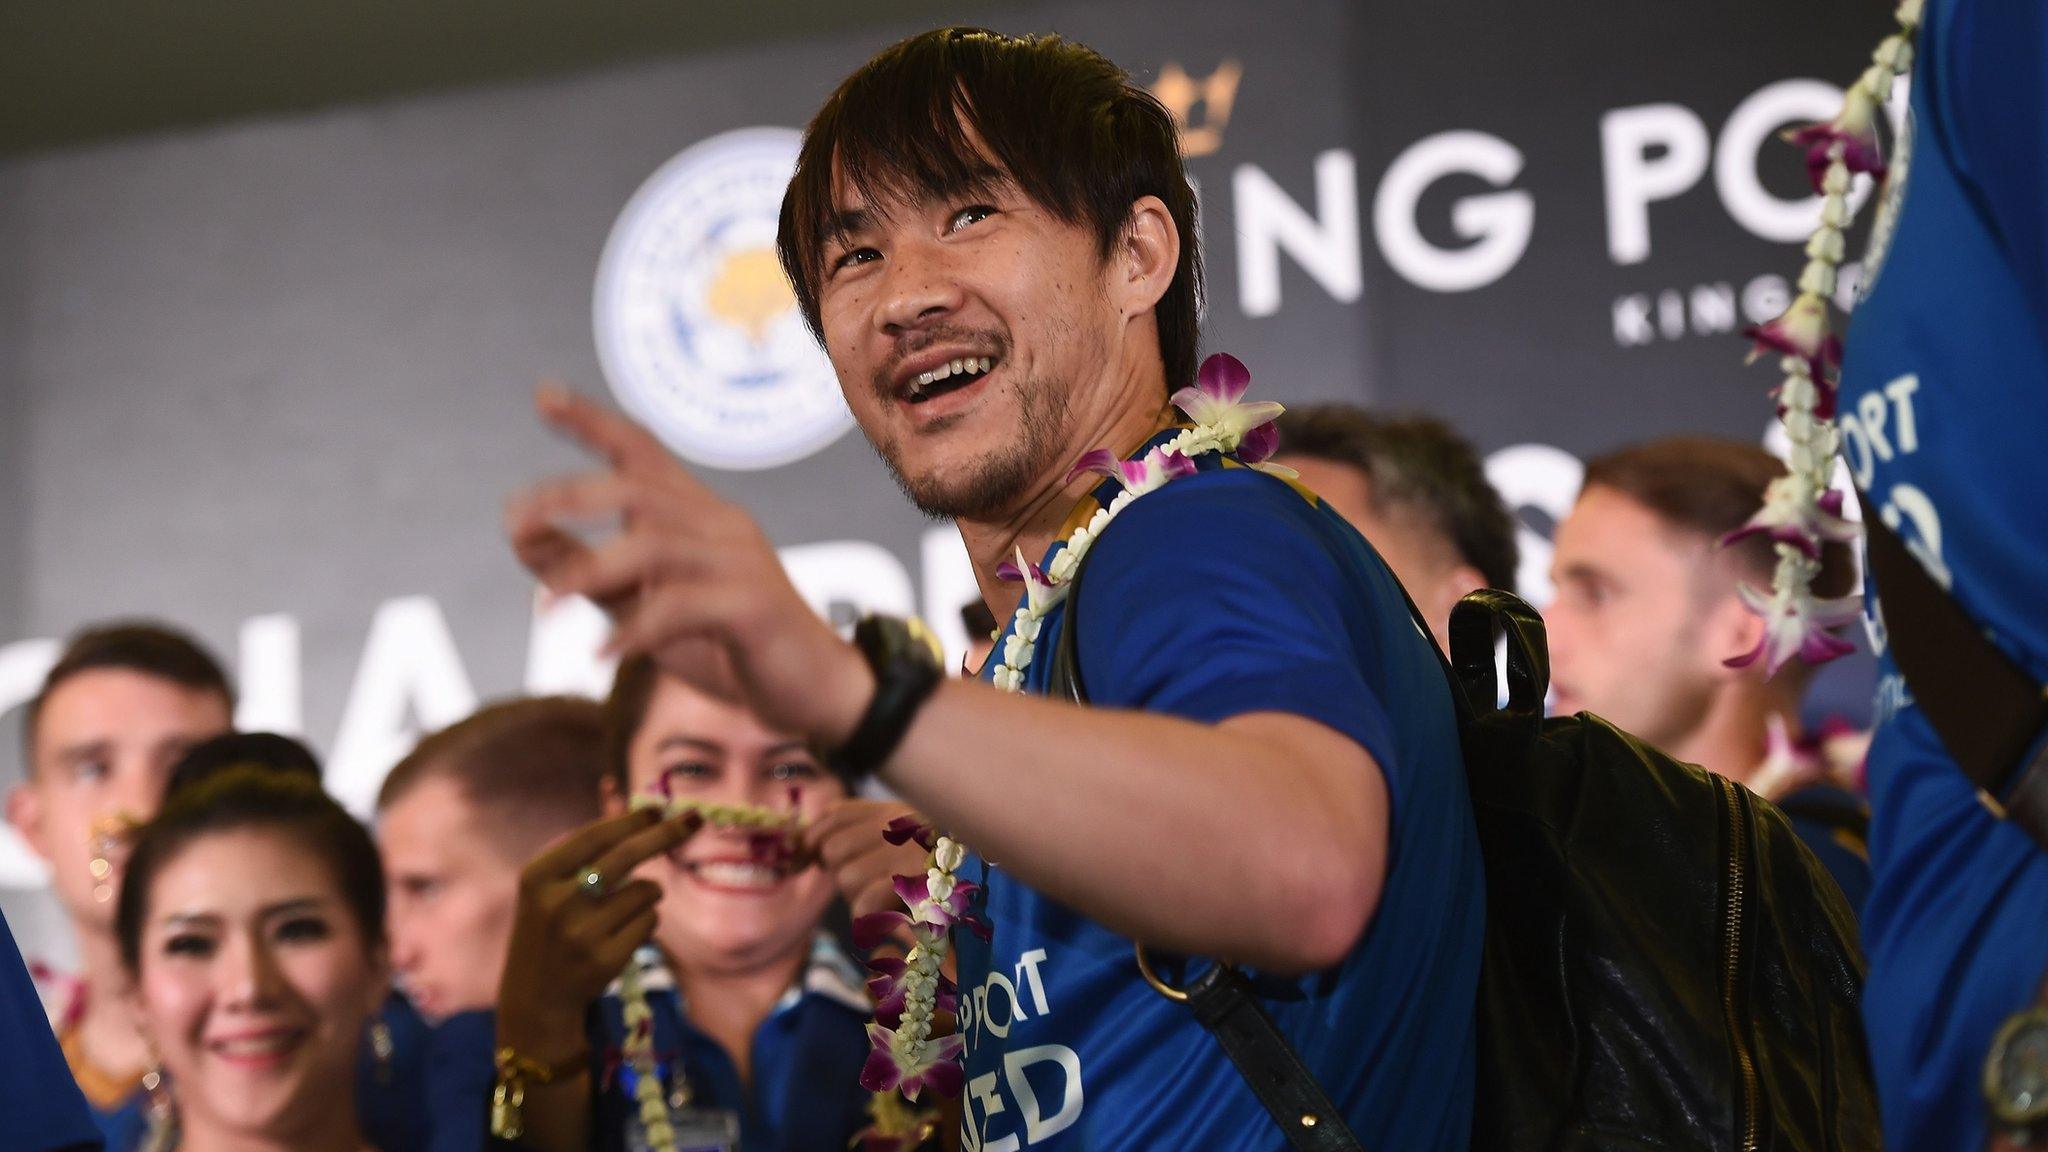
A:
(1830, 501)
(1223, 377)
(1860, 152)
(904, 829)
(910, 889)
(875, 927)
(880, 1072)
(1101, 461)
(941, 1073)
(1259, 443)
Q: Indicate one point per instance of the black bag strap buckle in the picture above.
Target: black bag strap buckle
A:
(1223, 1003)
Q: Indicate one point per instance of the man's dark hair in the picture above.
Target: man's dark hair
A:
(1059, 119)
(1417, 465)
(533, 766)
(253, 796)
(1711, 487)
(146, 647)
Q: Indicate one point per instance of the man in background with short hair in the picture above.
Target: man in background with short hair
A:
(119, 708)
(1417, 491)
(1647, 620)
(459, 818)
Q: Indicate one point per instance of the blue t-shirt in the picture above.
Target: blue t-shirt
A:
(1944, 416)
(1222, 594)
(41, 1108)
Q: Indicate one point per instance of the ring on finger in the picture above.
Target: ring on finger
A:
(592, 883)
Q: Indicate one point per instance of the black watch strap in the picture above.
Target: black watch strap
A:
(906, 660)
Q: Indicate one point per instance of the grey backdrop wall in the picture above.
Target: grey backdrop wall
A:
(271, 379)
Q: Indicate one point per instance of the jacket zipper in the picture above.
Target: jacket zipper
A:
(1731, 949)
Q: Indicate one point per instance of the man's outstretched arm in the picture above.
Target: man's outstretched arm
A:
(1261, 838)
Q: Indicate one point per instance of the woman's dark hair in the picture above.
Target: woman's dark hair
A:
(625, 709)
(1064, 123)
(258, 749)
(249, 796)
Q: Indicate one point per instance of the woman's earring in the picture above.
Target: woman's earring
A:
(162, 1111)
(382, 1047)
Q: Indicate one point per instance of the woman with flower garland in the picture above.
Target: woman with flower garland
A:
(742, 1022)
(995, 239)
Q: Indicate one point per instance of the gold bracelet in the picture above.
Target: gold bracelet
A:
(508, 1099)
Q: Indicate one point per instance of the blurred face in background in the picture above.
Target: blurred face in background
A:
(104, 745)
(254, 982)
(722, 909)
(452, 892)
(1641, 622)
(1427, 565)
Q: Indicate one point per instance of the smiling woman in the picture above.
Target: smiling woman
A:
(252, 920)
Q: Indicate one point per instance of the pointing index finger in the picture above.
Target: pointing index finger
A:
(624, 445)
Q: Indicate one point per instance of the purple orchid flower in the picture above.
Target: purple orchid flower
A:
(903, 829)
(893, 1066)
(1851, 135)
(1041, 591)
(1215, 402)
(1137, 476)
(1787, 520)
(891, 990)
(1801, 330)
(1796, 629)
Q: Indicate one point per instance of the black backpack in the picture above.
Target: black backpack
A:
(1666, 965)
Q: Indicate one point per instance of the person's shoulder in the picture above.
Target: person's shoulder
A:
(1217, 506)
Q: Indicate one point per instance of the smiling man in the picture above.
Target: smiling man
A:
(994, 238)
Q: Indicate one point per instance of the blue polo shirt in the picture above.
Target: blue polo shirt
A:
(1944, 416)
(1221, 594)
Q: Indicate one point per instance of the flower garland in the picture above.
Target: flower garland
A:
(1800, 512)
(771, 839)
(905, 1059)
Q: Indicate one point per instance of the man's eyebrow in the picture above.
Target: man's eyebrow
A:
(847, 221)
(72, 753)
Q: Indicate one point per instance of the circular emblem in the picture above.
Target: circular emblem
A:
(697, 330)
(1889, 203)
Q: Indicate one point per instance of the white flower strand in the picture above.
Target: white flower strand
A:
(637, 1050)
(1815, 440)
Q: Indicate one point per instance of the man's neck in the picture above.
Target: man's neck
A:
(1733, 740)
(1135, 411)
(106, 1032)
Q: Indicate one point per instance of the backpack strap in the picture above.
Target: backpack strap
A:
(1221, 998)
(1987, 711)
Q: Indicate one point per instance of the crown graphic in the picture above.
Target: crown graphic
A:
(1214, 93)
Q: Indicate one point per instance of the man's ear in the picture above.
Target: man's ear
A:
(1149, 257)
(25, 812)
(1731, 630)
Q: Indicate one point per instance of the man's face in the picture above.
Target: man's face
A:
(452, 893)
(105, 742)
(1626, 629)
(912, 290)
(1424, 562)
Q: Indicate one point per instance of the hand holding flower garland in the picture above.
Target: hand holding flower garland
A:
(1800, 513)
(905, 1058)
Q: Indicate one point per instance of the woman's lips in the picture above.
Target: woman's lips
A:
(257, 1050)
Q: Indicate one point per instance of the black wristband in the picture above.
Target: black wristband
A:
(905, 659)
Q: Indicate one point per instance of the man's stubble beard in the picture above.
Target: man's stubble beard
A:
(993, 484)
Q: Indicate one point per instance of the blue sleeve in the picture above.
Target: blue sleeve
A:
(1954, 930)
(1993, 77)
(1223, 594)
(41, 1108)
